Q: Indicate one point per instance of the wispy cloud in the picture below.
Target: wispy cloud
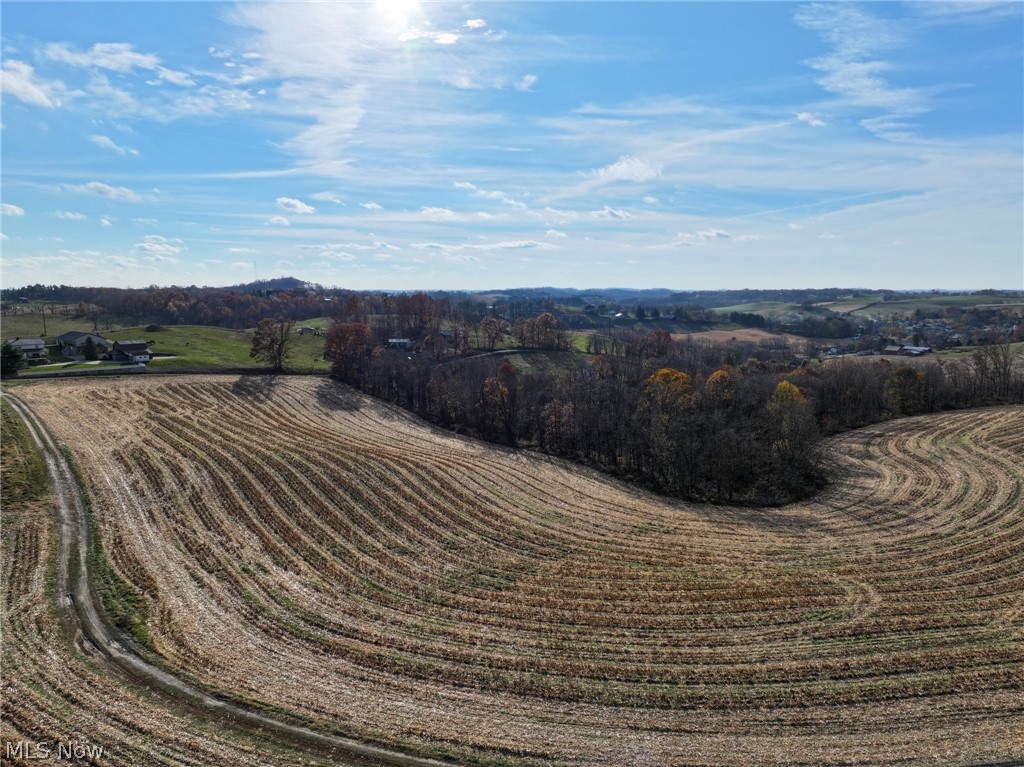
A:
(856, 68)
(326, 197)
(526, 83)
(69, 215)
(118, 57)
(11, 210)
(106, 142)
(182, 79)
(703, 236)
(120, 193)
(20, 81)
(279, 221)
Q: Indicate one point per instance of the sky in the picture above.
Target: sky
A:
(399, 145)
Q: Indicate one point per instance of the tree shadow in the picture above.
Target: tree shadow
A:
(331, 395)
(252, 386)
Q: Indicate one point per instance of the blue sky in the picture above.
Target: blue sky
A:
(401, 144)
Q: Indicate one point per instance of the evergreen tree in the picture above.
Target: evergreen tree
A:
(10, 360)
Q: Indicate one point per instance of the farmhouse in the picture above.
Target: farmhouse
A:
(73, 343)
(131, 351)
(33, 350)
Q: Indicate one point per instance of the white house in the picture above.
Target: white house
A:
(33, 350)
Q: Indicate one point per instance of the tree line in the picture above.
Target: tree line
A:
(682, 418)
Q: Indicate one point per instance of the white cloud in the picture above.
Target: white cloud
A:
(462, 81)
(438, 214)
(342, 246)
(441, 38)
(371, 206)
(19, 80)
(11, 210)
(526, 83)
(182, 79)
(69, 215)
(107, 143)
(326, 197)
(810, 119)
(627, 168)
(610, 213)
(123, 261)
(794, 226)
(160, 248)
(475, 24)
(828, 236)
(118, 57)
(105, 190)
(106, 221)
(490, 195)
(3, 236)
(713, 234)
(292, 205)
(554, 234)
(279, 221)
(146, 221)
(520, 245)
(241, 250)
(687, 239)
(651, 200)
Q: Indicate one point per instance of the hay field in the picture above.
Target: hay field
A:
(317, 554)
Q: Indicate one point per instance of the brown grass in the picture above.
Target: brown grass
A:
(306, 548)
(748, 335)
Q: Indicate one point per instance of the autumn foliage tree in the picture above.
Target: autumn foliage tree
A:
(348, 346)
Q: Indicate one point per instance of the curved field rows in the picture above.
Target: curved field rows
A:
(56, 692)
(304, 548)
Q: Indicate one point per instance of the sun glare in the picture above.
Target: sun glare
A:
(399, 12)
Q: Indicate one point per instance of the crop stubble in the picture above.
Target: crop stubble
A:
(305, 548)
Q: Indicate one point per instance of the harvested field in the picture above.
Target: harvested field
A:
(748, 335)
(310, 551)
(55, 691)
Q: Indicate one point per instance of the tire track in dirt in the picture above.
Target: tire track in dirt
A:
(80, 611)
